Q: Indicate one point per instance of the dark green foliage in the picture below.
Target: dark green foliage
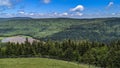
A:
(94, 30)
(105, 29)
(95, 53)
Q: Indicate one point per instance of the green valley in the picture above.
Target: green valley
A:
(99, 29)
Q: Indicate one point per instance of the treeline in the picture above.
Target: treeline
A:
(92, 53)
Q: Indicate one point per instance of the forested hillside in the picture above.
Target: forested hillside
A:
(103, 29)
(93, 53)
(81, 46)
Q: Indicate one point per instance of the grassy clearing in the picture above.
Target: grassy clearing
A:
(2, 38)
(38, 63)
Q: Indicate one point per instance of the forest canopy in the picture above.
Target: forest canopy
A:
(82, 51)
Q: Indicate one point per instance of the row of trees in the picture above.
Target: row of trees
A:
(99, 54)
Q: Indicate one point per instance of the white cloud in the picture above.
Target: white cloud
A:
(79, 14)
(6, 3)
(46, 1)
(21, 12)
(113, 13)
(110, 4)
(78, 8)
(64, 14)
(40, 14)
(55, 13)
(32, 14)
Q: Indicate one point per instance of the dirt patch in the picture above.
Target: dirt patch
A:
(17, 39)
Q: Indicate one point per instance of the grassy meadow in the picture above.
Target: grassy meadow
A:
(38, 63)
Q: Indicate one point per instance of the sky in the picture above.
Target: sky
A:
(60, 8)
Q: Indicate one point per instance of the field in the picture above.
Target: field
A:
(38, 63)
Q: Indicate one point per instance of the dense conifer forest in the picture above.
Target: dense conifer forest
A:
(80, 51)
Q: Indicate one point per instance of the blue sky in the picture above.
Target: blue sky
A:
(60, 8)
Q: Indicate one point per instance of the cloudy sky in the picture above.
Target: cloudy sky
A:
(60, 8)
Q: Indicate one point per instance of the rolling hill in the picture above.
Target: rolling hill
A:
(38, 63)
(99, 29)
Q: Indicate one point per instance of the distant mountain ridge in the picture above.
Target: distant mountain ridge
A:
(14, 18)
(17, 17)
(96, 29)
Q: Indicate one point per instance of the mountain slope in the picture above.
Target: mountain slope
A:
(101, 29)
(106, 30)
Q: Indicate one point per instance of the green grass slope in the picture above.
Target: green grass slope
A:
(62, 28)
(38, 63)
